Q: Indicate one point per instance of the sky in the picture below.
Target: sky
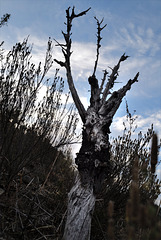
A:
(133, 27)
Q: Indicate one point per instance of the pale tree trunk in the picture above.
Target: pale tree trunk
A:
(80, 209)
(93, 159)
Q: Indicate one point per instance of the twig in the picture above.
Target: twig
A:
(21, 220)
(29, 183)
(99, 38)
(61, 221)
(47, 236)
(103, 80)
(52, 166)
(43, 227)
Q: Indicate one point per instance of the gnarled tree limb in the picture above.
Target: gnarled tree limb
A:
(66, 49)
(95, 90)
(77, 101)
(99, 38)
(112, 78)
(112, 104)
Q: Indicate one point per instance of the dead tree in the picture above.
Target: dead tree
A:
(93, 159)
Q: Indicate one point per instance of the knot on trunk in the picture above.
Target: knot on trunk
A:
(93, 81)
(97, 129)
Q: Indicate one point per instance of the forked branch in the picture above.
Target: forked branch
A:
(112, 78)
(99, 38)
(66, 49)
(95, 90)
(110, 107)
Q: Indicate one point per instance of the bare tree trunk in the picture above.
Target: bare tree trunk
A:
(93, 159)
(81, 199)
(80, 208)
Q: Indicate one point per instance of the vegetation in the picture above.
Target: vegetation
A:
(35, 134)
(21, 113)
(33, 210)
(35, 204)
(36, 169)
(133, 177)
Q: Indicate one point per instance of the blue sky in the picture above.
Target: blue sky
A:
(133, 27)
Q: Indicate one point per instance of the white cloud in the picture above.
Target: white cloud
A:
(142, 123)
(85, 101)
(138, 39)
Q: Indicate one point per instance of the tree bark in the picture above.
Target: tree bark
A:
(80, 209)
(93, 166)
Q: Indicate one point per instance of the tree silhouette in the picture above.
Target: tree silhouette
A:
(93, 159)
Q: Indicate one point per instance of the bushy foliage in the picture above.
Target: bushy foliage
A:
(21, 111)
(33, 133)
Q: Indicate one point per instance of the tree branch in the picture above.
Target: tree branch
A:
(76, 99)
(62, 64)
(73, 15)
(112, 78)
(66, 49)
(95, 90)
(112, 104)
(103, 81)
(99, 38)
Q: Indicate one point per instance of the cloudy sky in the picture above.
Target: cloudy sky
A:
(133, 27)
